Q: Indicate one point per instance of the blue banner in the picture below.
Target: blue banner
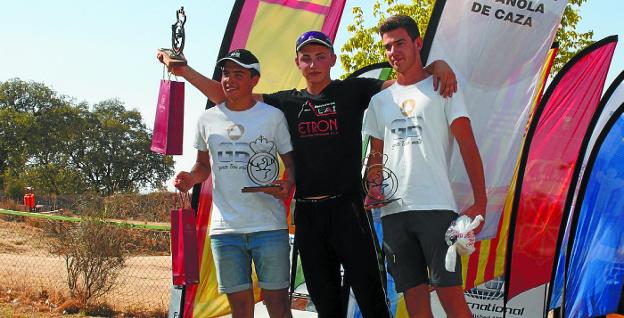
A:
(612, 99)
(596, 270)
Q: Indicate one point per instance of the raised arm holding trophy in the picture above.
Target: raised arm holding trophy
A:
(167, 138)
(177, 40)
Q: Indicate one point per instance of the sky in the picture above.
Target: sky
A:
(97, 50)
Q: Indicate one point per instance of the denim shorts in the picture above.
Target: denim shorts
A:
(233, 254)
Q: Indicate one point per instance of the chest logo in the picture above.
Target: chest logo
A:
(407, 107)
(319, 110)
(235, 131)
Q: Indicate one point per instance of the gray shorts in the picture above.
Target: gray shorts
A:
(415, 248)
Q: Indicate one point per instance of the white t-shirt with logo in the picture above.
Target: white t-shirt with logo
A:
(414, 123)
(233, 139)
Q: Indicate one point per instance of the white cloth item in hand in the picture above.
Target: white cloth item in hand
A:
(460, 238)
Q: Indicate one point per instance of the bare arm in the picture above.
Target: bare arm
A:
(286, 184)
(462, 131)
(289, 167)
(374, 164)
(209, 87)
(444, 80)
(387, 84)
(184, 181)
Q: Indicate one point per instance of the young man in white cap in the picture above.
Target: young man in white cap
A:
(325, 121)
(245, 226)
(414, 126)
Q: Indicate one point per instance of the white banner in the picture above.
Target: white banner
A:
(615, 100)
(486, 301)
(496, 48)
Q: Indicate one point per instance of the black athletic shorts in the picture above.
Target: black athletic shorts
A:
(415, 248)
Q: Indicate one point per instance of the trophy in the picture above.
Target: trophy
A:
(263, 166)
(177, 40)
(380, 183)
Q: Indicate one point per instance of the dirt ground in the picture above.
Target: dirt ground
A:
(26, 261)
(21, 311)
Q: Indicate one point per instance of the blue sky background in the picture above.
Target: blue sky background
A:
(96, 50)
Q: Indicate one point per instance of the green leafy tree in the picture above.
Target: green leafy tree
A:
(113, 153)
(14, 127)
(364, 47)
(55, 178)
(59, 147)
(570, 41)
(20, 102)
(35, 125)
(29, 97)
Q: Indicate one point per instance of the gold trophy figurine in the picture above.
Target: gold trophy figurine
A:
(177, 40)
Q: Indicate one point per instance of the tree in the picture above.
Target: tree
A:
(61, 147)
(364, 47)
(55, 178)
(113, 153)
(570, 41)
(35, 123)
(14, 127)
(29, 97)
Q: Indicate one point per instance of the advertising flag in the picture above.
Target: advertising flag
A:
(487, 263)
(549, 163)
(499, 78)
(612, 99)
(596, 268)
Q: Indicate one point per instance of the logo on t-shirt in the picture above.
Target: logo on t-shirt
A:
(407, 107)
(406, 130)
(233, 152)
(320, 124)
(324, 109)
(235, 131)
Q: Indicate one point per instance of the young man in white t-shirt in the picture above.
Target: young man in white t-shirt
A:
(237, 143)
(413, 126)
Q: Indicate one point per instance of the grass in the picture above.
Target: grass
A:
(77, 219)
